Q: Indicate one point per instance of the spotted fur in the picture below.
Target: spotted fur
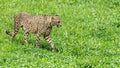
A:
(39, 25)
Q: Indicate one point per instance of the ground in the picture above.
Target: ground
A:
(89, 36)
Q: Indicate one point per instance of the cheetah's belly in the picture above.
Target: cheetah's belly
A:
(33, 28)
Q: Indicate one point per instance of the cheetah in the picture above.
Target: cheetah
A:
(39, 25)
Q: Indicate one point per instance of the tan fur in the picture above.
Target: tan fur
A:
(39, 25)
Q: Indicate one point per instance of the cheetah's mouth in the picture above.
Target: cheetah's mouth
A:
(59, 25)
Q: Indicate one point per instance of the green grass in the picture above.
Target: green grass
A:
(89, 36)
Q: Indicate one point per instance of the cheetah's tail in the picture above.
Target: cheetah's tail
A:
(8, 32)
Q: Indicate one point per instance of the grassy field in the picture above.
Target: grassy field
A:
(89, 36)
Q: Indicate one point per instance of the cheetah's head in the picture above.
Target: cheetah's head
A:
(55, 20)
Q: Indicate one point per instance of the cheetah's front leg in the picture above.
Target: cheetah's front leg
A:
(26, 37)
(37, 40)
(47, 38)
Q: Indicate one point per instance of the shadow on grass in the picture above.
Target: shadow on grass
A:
(32, 43)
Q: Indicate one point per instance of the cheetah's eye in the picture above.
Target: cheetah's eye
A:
(58, 21)
(56, 15)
